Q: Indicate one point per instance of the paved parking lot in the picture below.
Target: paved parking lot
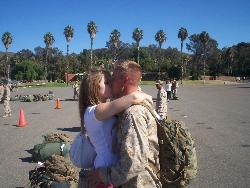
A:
(218, 117)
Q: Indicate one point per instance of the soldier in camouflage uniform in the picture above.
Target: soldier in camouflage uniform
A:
(1, 91)
(6, 100)
(76, 90)
(137, 140)
(162, 99)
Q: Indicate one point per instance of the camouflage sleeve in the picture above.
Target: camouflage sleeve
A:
(133, 151)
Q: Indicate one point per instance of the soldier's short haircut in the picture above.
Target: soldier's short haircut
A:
(131, 69)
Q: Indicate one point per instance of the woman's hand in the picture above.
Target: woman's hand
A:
(139, 96)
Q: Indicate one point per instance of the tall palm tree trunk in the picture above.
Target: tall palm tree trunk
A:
(204, 73)
(138, 54)
(7, 64)
(46, 63)
(159, 73)
(181, 62)
(91, 53)
(67, 65)
(67, 49)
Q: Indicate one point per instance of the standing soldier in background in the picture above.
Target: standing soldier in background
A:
(76, 88)
(162, 99)
(175, 85)
(6, 99)
(1, 91)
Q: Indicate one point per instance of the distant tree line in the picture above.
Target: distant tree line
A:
(204, 57)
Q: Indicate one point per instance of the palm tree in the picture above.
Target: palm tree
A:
(114, 39)
(92, 30)
(7, 39)
(48, 40)
(204, 38)
(182, 34)
(69, 33)
(160, 37)
(137, 36)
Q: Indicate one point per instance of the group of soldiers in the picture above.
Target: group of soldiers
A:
(5, 97)
(163, 96)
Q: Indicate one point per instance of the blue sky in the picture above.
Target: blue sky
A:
(226, 21)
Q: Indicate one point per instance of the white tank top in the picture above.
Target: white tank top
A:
(101, 135)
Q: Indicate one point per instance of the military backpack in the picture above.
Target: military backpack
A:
(178, 160)
(177, 153)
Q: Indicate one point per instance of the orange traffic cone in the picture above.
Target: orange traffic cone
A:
(22, 120)
(58, 104)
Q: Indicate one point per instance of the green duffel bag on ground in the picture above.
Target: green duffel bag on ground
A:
(44, 151)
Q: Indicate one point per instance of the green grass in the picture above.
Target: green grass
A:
(39, 84)
(190, 82)
(54, 84)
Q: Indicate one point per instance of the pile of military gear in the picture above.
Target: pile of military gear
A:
(34, 97)
(56, 172)
(53, 143)
(16, 98)
(56, 137)
(27, 98)
(37, 97)
(44, 98)
(51, 95)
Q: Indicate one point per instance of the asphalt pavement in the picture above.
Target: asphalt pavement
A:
(218, 117)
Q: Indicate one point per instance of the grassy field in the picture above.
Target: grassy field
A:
(190, 82)
(185, 82)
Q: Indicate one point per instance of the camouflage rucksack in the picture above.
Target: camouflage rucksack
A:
(178, 160)
(177, 154)
(56, 172)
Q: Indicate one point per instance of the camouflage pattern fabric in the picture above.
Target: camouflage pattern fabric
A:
(6, 100)
(44, 98)
(50, 96)
(57, 137)
(178, 159)
(1, 92)
(177, 154)
(161, 103)
(37, 97)
(138, 144)
(27, 98)
(15, 98)
(57, 171)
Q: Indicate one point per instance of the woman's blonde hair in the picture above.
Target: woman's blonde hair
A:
(89, 91)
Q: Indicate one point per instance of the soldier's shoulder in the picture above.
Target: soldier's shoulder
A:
(137, 110)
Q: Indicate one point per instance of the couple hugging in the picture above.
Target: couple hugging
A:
(123, 132)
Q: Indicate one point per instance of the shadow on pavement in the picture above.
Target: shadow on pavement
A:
(68, 100)
(26, 159)
(245, 145)
(36, 113)
(72, 129)
(244, 87)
